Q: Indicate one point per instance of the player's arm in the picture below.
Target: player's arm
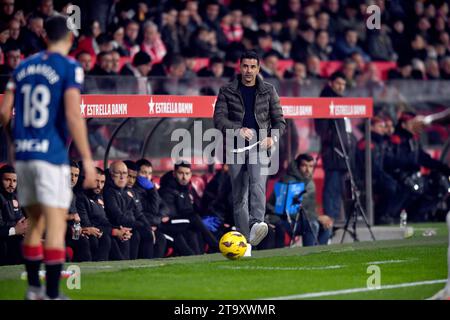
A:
(78, 131)
(6, 108)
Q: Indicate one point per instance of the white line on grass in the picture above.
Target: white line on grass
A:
(391, 261)
(355, 290)
(281, 268)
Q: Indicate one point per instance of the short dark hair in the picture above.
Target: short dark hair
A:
(131, 165)
(303, 157)
(78, 55)
(250, 54)
(7, 169)
(56, 28)
(183, 164)
(74, 164)
(143, 162)
(335, 75)
(100, 171)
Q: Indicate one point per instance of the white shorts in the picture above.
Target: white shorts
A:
(41, 182)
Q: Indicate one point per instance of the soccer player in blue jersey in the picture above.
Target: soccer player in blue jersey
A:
(45, 93)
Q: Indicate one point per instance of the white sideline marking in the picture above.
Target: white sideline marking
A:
(391, 261)
(282, 268)
(348, 291)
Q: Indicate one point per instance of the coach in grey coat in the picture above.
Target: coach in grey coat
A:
(248, 105)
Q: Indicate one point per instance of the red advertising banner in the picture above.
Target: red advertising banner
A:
(169, 106)
(144, 106)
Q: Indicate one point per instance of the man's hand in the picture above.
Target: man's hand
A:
(325, 221)
(417, 124)
(21, 226)
(92, 231)
(75, 217)
(165, 219)
(267, 143)
(246, 133)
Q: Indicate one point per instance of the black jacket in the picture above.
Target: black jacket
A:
(10, 212)
(177, 197)
(329, 139)
(121, 208)
(92, 213)
(410, 155)
(153, 206)
(229, 109)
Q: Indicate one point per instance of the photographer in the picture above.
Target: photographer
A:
(311, 224)
(420, 198)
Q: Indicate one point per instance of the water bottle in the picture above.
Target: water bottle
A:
(76, 231)
(403, 219)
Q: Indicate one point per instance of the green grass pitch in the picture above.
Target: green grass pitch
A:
(412, 268)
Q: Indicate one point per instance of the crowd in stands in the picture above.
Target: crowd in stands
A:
(170, 35)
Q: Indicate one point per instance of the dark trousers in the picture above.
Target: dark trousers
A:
(184, 242)
(333, 192)
(11, 250)
(100, 247)
(141, 245)
(160, 246)
(81, 248)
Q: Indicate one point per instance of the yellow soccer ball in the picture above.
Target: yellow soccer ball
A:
(233, 245)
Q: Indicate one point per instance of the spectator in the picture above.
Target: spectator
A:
(215, 68)
(315, 229)
(12, 60)
(33, 36)
(313, 67)
(445, 68)
(399, 39)
(185, 29)
(269, 67)
(348, 20)
(177, 195)
(106, 242)
(118, 36)
(152, 43)
(418, 198)
(347, 45)
(432, 69)
(4, 35)
(104, 42)
(139, 69)
(104, 65)
(45, 9)
(13, 224)
(322, 48)
(349, 70)
(115, 57)
(403, 71)
(333, 164)
(384, 185)
(121, 210)
(7, 10)
(89, 42)
(297, 73)
(169, 31)
(131, 36)
(302, 47)
(380, 45)
(85, 60)
(231, 26)
(289, 31)
(15, 39)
